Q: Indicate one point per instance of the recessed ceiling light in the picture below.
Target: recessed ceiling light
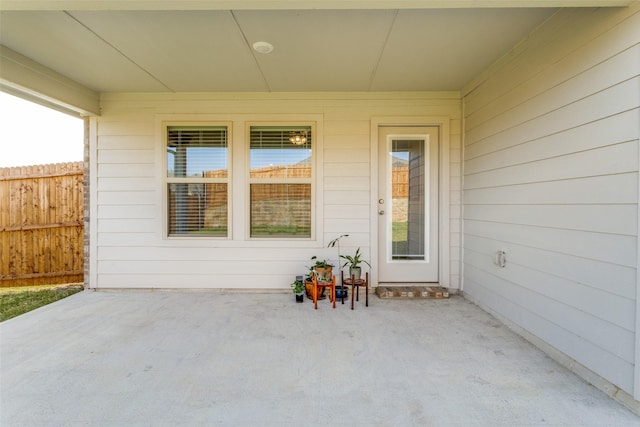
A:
(263, 47)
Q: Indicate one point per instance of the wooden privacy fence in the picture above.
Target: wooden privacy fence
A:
(41, 224)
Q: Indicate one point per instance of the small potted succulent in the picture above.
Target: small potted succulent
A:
(354, 264)
(298, 289)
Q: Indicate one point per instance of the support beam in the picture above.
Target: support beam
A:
(30, 80)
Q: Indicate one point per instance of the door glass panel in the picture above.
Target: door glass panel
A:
(408, 202)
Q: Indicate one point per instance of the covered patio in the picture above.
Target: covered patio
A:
(530, 110)
(245, 358)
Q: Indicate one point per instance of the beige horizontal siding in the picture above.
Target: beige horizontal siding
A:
(551, 178)
(131, 251)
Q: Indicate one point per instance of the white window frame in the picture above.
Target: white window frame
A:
(311, 180)
(238, 235)
(173, 180)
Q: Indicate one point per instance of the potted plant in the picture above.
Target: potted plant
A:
(354, 264)
(298, 289)
(322, 269)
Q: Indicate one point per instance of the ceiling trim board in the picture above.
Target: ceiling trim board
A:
(440, 96)
(75, 5)
(31, 80)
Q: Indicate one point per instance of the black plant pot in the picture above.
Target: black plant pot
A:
(299, 297)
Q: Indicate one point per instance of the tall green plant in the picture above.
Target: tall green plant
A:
(354, 261)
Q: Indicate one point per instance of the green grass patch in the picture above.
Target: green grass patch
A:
(280, 231)
(399, 237)
(19, 300)
(399, 231)
(211, 231)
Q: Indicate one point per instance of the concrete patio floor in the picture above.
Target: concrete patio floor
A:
(135, 358)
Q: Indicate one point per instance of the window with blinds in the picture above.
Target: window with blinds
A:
(280, 181)
(197, 180)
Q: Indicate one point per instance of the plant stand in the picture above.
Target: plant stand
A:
(308, 283)
(332, 290)
(355, 288)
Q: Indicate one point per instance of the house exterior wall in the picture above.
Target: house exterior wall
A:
(129, 245)
(551, 178)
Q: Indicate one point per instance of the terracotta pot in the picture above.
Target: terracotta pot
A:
(324, 273)
(308, 284)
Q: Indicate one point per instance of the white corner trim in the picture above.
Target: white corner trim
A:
(93, 203)
(636, 371)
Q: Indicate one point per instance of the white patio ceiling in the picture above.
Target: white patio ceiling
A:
(184, 46)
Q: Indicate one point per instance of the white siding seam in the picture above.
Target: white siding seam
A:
(551, 176)
(618, 188)
(554, 275)
(526, 45)
(547, 227)
(549, 257)
(547, 203)
(535, 37)
(574, 365)
(544, 91)
(542, 181)
(549, 250)
(549, 113)
(563, 217)
(555, 324)
(552, 134)
(505, 221)
(573, 178)
(606, 129)
(542, 159)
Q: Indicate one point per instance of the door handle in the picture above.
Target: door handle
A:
(380, 212)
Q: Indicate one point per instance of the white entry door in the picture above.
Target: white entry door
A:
(408, 204)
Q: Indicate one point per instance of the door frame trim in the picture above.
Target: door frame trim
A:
(443, 125)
